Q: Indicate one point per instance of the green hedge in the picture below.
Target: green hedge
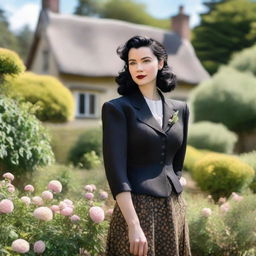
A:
(228, 98)
(211, 136)
(221, 174)
(55, 102)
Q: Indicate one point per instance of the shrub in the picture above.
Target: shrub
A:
(90, 160)
(250, 158)
(211, 136)
(90, 140)
(228, 98)
(10, 63)
(192, 155)
(221, 174)
(245, 60)
(228, 228)
(24, 142)
(55, 101)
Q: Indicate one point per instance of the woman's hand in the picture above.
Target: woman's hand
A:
(138, 241)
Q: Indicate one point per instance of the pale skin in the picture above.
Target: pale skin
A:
(141, 61)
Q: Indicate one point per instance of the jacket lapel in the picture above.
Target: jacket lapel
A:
(144, 114)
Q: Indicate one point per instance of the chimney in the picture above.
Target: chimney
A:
(51, 5)
(180, 24)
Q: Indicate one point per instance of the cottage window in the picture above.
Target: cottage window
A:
(86, 104)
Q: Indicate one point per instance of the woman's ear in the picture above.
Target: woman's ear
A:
(160, 64)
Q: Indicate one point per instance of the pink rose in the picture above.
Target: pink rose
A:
(55, 186)
(225, 207)
(37, 200)
(10, 188)
(43, 213)
(6, 206)
(236, 197)
(29, 188)
(8, 176)
(47, 195)
(96, 214)
(26, 200)
(88, 188)
(55, 208)
(206, 212)
(110, 211)
(68, 203)
(20, 246)
(103, 195)
(89, 196)
(74, 218)
(67, 211)
(39, 247)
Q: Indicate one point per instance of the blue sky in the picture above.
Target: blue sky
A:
(21, 12)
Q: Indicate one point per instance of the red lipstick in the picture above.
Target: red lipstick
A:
(140, 77)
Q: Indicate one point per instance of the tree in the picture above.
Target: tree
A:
(7, 38)
(228, 27)
(126, 10)
(24, 37)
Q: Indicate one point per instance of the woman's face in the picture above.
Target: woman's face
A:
(142, 62)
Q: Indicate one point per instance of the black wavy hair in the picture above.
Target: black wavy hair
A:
(166, 80)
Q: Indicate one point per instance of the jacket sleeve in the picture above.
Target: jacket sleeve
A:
(180, 155)
(114, 141)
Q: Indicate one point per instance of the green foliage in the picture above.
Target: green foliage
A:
(129, 10)
(90, 140)
(24, 142)
(55, 102)
(245, 60)
(250, 158)
(10, 63)
(61, 235)
(230, 232)
(221, 174)
(192, 156)
(211, 136)
(228, 98)
(228, 27)
(90, 160)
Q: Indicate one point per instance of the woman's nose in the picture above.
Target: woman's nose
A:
(139, 67)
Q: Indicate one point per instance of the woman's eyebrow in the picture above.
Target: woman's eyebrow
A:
(141, 58)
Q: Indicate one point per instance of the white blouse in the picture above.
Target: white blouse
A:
(156, 108)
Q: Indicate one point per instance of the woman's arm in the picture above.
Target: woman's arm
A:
(137, 239)
(178, 160)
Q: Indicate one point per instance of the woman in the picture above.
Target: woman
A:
(144, 145)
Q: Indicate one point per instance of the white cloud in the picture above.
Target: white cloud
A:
(27, 14)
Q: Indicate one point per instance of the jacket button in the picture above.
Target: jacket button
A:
(163, 146)
(161, 162)
(162, 153)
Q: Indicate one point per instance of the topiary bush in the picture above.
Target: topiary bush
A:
(211, 136)
(245, 60)
(55, 102)
(221, 174)
(24, 142)
(10, 63)
(192, 156)
(90, 140)
(228, 98)
(250, 158)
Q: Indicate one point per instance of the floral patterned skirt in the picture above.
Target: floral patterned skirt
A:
(163, 222)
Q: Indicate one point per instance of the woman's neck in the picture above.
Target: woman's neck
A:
(150, 93)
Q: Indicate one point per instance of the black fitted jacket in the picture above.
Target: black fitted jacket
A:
(139, 155)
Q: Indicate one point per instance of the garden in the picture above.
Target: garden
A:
(54, 197)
